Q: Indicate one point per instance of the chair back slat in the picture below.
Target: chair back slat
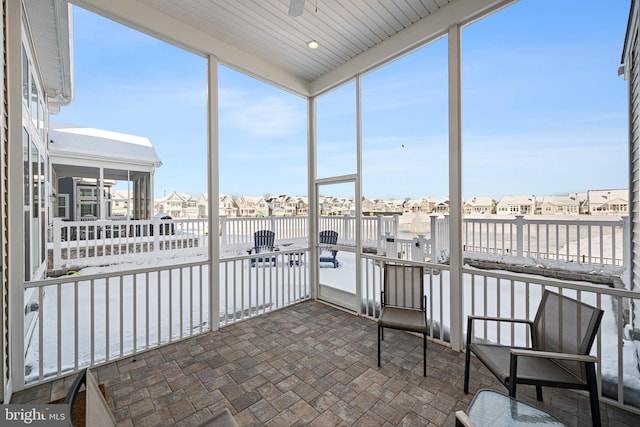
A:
(404, 286)
(565, 325)
(263, 240)
(329, 237)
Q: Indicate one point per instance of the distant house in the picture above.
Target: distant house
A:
(203, 205)
(252, 206)
(516, 205)
(282, 205)
(480, 205)
(441, 206)
(424, 205)
(302, 206)
(560, 205)
(608, 202)
(227, 206)
(121, 203)
(178, 205)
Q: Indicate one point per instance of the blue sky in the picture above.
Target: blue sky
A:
(544, 111)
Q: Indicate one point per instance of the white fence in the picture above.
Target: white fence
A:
(90, 320)
(239, 231)
(584, 241)
(78, 241)
(84, 321)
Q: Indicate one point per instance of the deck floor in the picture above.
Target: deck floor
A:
(308, 364)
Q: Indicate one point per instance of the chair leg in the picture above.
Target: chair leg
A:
(513, 372)
(379, 339)
(539, 393)
(424, 356)
(467, 360)
(593, 394)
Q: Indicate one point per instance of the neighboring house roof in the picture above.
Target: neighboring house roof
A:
(560, 200)
(480, 201)
(98, 148)
(602, 197)
(520, 200)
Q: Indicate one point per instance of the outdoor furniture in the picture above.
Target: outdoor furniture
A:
(329, 237)
(404, 304)
(492, 409)
(562, 334)
(263, 242)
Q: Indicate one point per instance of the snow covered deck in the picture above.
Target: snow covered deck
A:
(306, 364)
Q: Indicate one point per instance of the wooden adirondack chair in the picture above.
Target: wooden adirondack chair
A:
(263, 242)
(329, 237)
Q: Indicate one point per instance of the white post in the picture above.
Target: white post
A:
(155, 229)
(455, 185)
(435, 244)
(313, 198)
(214, 192)
(101, 201)
(57, 245)
(519, 236)
(626, 252)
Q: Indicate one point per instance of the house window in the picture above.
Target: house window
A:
(63, 206)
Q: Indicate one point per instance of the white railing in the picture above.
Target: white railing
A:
(586, 240)
(510, 295)
(90, 320)
(73, 241)
(238, 232)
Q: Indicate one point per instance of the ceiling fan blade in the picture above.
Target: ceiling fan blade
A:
(296, 7)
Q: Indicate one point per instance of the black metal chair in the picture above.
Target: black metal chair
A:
(404, 304)
(562, 334)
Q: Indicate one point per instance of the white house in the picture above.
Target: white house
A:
(178, 205)
(516, 205)
(480, 205)
(560, 205)
(252, 206)
(608, 202)
(88, 161)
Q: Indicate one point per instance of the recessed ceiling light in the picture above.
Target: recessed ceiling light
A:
(313, 44)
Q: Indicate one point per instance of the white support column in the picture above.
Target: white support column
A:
(313, 199)
(16, 200)
(213, 190)
(101, 201)
(358, 195)
(455, 185)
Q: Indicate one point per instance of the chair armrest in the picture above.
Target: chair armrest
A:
(500, 319)
(470, 320)
(462, 419)
(553, 355)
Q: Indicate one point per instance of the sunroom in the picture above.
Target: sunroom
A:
(146, 309)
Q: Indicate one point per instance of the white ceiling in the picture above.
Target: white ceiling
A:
(260, 38)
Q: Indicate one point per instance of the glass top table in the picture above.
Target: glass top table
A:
(490, 408)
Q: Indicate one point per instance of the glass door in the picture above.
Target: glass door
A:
(337, 243)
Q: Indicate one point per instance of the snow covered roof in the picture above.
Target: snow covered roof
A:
(98, 148)
(602, 197)
(522, 200)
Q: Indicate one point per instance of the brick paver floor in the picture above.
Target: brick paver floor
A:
(308, 364)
